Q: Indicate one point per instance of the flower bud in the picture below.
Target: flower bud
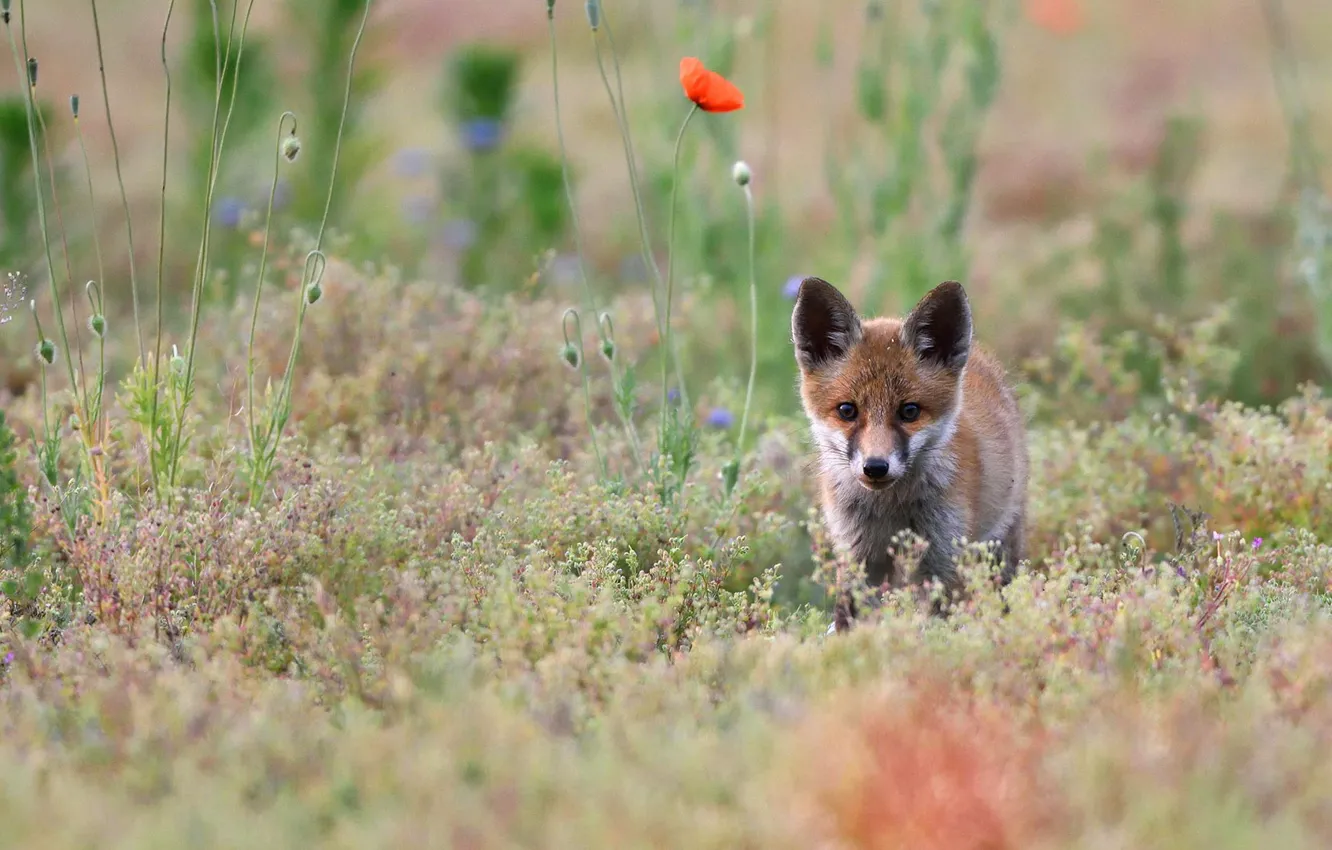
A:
(74, 105)
(177, 363)
(608, 349)
(569, 354)
(32, 71)
(46, 352)
(593, 8)
(741, 173)
(97, 324)
(314, 293)
(730, 475)
(291, 148)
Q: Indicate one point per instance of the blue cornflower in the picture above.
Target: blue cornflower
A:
(792, 287)
(720, 417)
(228, 211)
(482, 134)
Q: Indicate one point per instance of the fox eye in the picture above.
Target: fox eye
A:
(910, 412)
(846, 410)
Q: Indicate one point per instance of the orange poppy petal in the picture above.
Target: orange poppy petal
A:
(710, 90)
(722, 95)
(693, 78)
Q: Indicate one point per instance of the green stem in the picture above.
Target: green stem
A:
(315, 259)
(69, 270)
(252, 432)
(20, 65)
(153, 449)
(667, 348)
(633, 164)
(124, 197)
(753, 327)
(587, 392)
(626, 421)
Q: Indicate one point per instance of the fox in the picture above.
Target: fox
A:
(915, 428)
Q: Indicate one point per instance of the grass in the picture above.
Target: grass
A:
(357, 559)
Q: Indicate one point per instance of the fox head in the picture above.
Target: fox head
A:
(882, 395)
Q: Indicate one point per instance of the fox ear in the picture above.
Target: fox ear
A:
(824, 325)
(939, 327)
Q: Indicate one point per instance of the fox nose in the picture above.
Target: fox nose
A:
(876, 468)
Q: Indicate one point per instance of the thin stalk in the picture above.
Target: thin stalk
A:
(622, 121)
(259, 288)
(753, 326)
(308, 277)
(20, 65)
(342, 123)
(92, 201)
(670, 265)
(623, 115)
(587, 392)
(218, 143)
(64, 245)
(161, 256)
(124, 197)
(99, 425)
(627, 422)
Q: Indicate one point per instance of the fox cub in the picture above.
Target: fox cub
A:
(916, 429)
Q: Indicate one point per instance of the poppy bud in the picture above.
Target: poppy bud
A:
(291, 148)
(46, 352)
(569, 354)
(741, 173)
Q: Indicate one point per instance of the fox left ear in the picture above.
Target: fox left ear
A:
(938, 329)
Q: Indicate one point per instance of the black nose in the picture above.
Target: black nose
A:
(876, 468)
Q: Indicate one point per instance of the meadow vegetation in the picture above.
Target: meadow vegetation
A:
(479, 515)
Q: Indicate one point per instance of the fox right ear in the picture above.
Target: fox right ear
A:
(824, 325)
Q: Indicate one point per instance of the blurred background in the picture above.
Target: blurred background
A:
(1127, 166)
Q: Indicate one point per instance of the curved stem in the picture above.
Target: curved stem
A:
(625, 420)
(259, 289)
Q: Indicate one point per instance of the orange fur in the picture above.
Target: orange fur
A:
(953, 467)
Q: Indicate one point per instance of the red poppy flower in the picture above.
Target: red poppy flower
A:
(710, 90)
(1061, 17)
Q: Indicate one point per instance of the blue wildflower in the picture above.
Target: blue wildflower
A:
(720, 417)
(1257, 543)
(673, 396)
(228, 212)
(482, 134)
(792, 287)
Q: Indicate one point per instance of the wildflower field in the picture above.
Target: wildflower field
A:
(399, 441)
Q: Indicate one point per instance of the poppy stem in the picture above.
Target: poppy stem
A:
(753, 326)
(616, 383)
(670, 268)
